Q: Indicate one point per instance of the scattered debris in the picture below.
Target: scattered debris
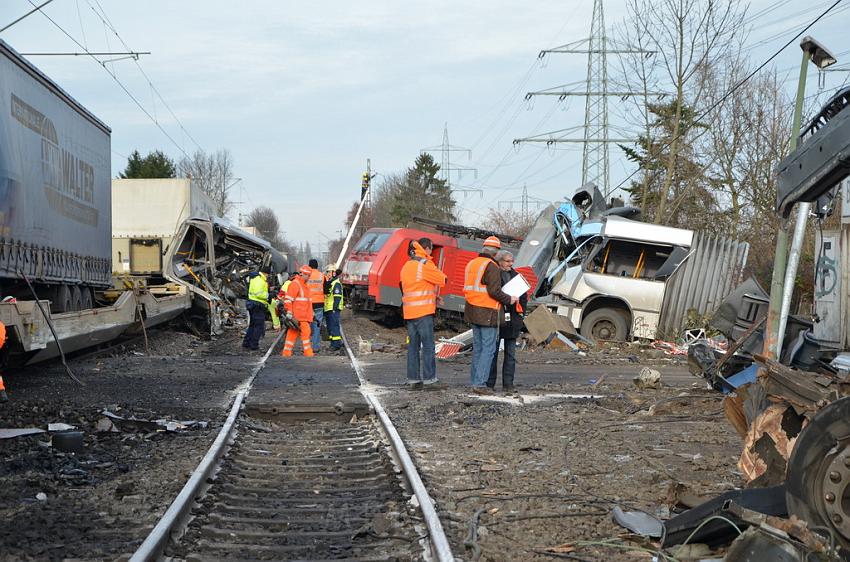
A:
(648, 379)
(12, 433)
(543, 325)
(709, 522)
(768, 445)
(67, 441)
(638, 522)
(134, 423)
(364, 347)
(450, 347)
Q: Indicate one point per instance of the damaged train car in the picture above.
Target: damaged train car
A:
(213, 258)
(617, 278)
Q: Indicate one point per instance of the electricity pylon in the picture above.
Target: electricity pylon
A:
(446, 166)
(595, 164)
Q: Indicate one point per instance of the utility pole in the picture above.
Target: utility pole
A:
(785, 266)
(446, 167)
(595, 163)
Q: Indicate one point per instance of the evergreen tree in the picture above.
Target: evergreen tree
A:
(688, 190)
(419, 192)
(155, 165)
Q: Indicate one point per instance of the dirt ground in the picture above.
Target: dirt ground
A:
(100, 503)
(535, 477)
(520, 479)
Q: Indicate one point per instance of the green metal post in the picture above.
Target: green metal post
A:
(777, 283)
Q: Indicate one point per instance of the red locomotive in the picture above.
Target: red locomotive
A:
(371, 272)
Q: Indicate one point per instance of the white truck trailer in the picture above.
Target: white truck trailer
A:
(145, 215)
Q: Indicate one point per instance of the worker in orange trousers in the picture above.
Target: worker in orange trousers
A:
(3, 396)
(298, 305)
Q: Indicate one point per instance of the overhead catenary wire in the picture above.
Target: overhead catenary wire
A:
(108, 23)
(116, 79)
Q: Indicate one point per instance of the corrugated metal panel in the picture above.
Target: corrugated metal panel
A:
(711, 272)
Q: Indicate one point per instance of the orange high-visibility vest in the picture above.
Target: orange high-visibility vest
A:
(419, 296)
(297, 300)
(2, 334)
(315, 285)
(473, 290)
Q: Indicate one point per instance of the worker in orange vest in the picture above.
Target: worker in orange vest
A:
(316, 285)
(3, 396)
(420, 279)
(482, 289)
(299, 312)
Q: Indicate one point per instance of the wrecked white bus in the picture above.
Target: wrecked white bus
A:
(619, 279)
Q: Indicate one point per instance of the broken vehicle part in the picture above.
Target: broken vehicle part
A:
(804, 390)
(742, 308)
(818, 480)
(758, 544)
(768, 445)
(213, 258)
(821, 161)
(638, 522)
(770, 501)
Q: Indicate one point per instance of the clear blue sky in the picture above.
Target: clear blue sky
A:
(302, 93)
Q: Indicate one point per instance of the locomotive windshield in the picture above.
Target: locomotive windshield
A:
(371, 242)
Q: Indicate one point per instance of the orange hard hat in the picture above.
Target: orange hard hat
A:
(306, 270)
(493, 242)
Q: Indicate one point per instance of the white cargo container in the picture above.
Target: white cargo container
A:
(145, 215)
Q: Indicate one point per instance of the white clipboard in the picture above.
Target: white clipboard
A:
(517, 286)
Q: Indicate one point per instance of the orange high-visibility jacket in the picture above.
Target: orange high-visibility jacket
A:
(474, 290)
(297, 300)
(316, 287)
(2, 334)
(420, 279)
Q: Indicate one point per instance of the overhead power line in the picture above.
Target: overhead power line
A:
(23, 17)
(737, 86)
(115, 78)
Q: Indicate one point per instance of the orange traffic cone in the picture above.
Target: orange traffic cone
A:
(3, 396)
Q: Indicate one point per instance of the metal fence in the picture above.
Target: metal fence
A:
(714, 268)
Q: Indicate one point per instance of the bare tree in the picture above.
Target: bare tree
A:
(265, 221)
(686, 35)
(508, 221)
(213, 172)
(639, 67)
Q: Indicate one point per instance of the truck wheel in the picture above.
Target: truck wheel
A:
(62, 301)
(605, 324)
(76, 298)
(88, 299)
(816, 486)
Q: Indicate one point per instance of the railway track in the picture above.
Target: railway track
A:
(303, 490)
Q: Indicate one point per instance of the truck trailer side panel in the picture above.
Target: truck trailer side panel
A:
(55, 204)
(155, 208)
(146, 213)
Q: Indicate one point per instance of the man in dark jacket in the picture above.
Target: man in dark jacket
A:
(510, 329)
(482, 289)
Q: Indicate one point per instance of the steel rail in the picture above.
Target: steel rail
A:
(156, 541)
(436, 533)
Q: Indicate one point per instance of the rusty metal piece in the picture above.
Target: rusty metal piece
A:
(767, 447)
